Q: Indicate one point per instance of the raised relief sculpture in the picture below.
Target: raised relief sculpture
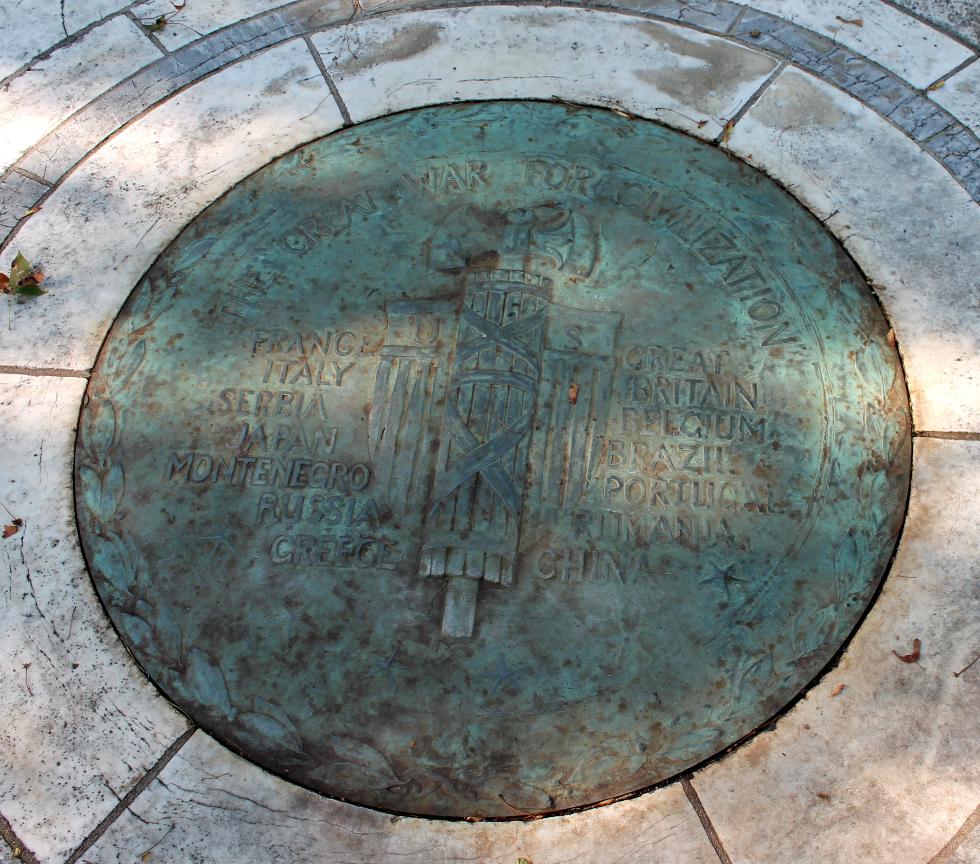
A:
(504, 392)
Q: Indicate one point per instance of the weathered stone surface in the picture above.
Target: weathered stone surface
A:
(866, 81)
(685, 78)
(32, 104)
(960, 95)
(959, 151)
(40, 24)
(64, 147)
(209, 804)
(912, 228)
(884, 769)
(960, 17)
(17, 195)
(714, 15)
(97, 235)
(913, 50)
(195, 20)
(82, 724)
(968, 852)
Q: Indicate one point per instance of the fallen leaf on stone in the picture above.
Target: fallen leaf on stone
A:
(936, 86)
(823, 796)
(573, 393)
(20, 270)
(914, 656)
(755, 34)
(726, 133)
(23, 279)
(857, 22)
(837, 691)
(10, 530)
(523, 861)
(30, 212)
(702, 124)
(156, 26)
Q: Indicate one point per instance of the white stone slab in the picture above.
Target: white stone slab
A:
(81, 723)
(38, 26)
(885, 771)
(98, 232)
(17, 196)
(683, 77)
(913, 50)
(80, 13)
(960, 95)
(911, 227)
(968, 851)
(197, 19)
(31, 27)
(958, 16)
(209, 804)
(35, 102)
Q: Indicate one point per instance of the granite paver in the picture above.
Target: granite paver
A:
(34, 103)
(82, 723)
(883, 769)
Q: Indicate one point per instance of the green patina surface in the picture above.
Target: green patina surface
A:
(493, 459)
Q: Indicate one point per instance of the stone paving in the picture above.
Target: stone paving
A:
(121, 133)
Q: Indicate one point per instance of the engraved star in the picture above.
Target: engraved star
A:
(723, 578)
(386, 665)
(501, 673)
(219, 538)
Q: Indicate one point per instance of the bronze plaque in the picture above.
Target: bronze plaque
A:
(493, 459)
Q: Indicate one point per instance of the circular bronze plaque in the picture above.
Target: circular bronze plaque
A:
(493, 459)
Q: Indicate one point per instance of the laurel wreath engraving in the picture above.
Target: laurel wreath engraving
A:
(150, 624)
(153, 628)
(883, 433)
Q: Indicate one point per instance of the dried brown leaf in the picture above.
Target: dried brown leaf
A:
(573, 393)
(10, 530)
(938, 85)
(857, 22)
(837, 691)
(914, 656)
